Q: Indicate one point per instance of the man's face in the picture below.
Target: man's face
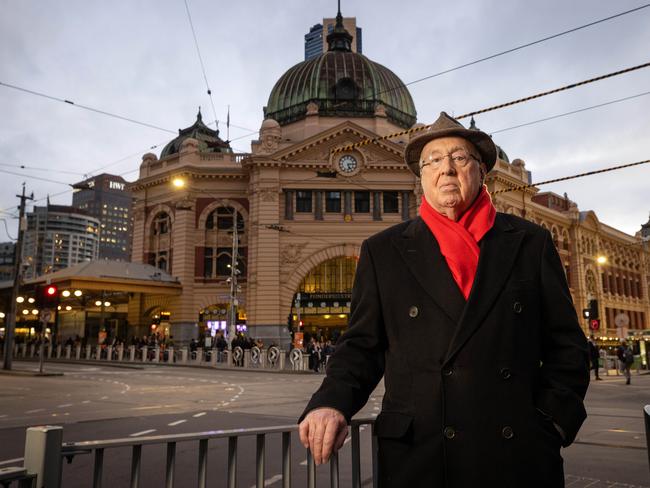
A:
(449, 187)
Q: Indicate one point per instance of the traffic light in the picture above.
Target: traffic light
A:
(585, 313)
(594, 324)
(47, 297)
(593, 309)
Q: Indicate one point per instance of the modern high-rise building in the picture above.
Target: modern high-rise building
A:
(316, 38)
(57, 237)
(7, 256)
(106, 198)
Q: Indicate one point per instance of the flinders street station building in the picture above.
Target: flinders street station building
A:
(276, 233)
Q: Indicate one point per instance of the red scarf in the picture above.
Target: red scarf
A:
(459, 240)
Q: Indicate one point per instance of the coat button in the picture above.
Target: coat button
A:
(449, 432)
(505, 373)
(447, 372)
(517, 307)
(507, 432)
(413, 311)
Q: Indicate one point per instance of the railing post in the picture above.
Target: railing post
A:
(144, 354)
(184, 355)
(120, 352)
(68, 352)
(263, 354)
(646, 415)
(228, 358)
(131, 353)
(88, 349)
(156, 354)
(98, 352)
(213, 357)
(109, 353)
(356, 457)
(286, 460)
(170, 355)
(247, 358)
(281, 359)
(77, 352)
(43, 455)
(58, 351)
(199, 355)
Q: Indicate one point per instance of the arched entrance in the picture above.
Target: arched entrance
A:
(321, 305)
(214, 318)
(158, 320)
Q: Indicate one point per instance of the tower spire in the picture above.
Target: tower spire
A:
(339, 39)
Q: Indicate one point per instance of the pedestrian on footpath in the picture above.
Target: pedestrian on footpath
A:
(594, 355)
(466, 314)
(626, 360)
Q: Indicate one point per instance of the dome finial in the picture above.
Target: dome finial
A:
(339, 39)
(199, 116)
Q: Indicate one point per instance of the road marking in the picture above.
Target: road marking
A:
(65, 405)
(86, 401)
(3, 416)
(178, 422)
(271, 481)
(147, 408)
(197, 415)
(11, 461)
(143, 433)
(35, 410)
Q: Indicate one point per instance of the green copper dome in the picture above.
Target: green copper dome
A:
(342, 84)
(209, 140)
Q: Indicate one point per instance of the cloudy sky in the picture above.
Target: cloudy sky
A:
(137, 58)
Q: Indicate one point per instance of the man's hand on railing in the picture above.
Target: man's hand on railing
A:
(323, 432)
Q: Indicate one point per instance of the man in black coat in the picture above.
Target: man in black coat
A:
(467, 316)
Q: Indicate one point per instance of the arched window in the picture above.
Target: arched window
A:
(162, 224)
(160, 242)
(217, 252)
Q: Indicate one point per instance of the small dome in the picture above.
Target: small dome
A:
(342, 84)
(208, 139)
(269, 124)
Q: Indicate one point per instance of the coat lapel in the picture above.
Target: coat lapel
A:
(499, 250)
(421, 252)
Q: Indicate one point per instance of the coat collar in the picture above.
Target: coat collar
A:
(499, 250)
(421, 253)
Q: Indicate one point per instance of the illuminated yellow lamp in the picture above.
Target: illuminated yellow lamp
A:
(31, 300)
(178, 182)
(68, 308)
(601, 259)
(20, 299)
(107, 304)
(58, 307)
(25, 312)
(78, 293)
(2, 315)
(65, 293)
(98, 303)
(342, 316)
(326, 316)
(32, 330)
(34, 312)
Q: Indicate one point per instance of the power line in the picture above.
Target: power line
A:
(33, 168)
(564, 178)
(4, 221)
(412, 130)
(517, 48)
(198, 52)
(85, 107)
(30, 177)
(570, 113)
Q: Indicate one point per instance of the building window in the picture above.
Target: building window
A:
(161, 224)
(333, 201)
(224, 261)
(223, 218)
(362, 202)
(303, 201)
(391, 202)
(161, 260)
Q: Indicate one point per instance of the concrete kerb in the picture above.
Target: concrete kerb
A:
(127, 365)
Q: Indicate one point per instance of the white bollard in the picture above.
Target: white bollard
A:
(247, 358)
(170, 355)
(50, 350)
(43, 455)
(199, 354)
(184, 355)
(131, 353)
(282, 359)
(68, 352)
(156, 354)
(88, 351)
(305, 362)
(144, 353)
(24, 348)
(228, 358)
(98, 352)
(120, 352)
(77, 352)
(213, 357)
(58, 351)
(32, 350)
(109, 353)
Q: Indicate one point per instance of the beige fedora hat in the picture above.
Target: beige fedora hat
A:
(447, 126)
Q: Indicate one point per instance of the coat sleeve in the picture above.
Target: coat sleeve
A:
(357, 364)
(564, 371)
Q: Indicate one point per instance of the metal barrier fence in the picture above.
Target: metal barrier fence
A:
(254, 358)
(45, 452)
(646, 415)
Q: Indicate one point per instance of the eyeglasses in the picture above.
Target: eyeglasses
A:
(459, 158)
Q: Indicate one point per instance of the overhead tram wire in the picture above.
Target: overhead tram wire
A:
(198, 52)
(517, 48)
(85, 107)
(372, 140)
(565, 178)
(572, 112)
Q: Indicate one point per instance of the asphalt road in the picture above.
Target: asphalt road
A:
(100, 402)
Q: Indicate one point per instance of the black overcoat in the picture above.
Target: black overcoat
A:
(472, 387)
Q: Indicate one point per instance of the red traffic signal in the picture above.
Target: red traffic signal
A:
(594, 324)
(51, 291)
(47, 297)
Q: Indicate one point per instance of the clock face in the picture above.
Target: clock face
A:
(347, 163)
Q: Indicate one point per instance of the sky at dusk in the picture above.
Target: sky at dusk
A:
(137, 59)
